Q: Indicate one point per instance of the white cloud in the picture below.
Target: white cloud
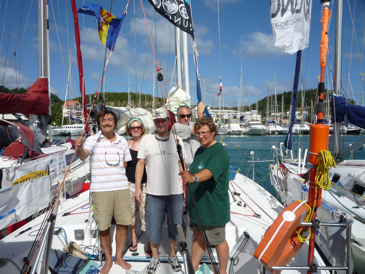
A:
(259, 45)
(14, 79)
(96, 76)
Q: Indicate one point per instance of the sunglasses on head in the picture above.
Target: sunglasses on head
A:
(185, 115)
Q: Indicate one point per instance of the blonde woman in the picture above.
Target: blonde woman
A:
(135, 129)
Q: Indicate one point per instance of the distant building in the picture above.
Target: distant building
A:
(73, 109)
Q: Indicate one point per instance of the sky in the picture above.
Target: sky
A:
(245, 37)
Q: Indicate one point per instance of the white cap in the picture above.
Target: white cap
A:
(160, 113)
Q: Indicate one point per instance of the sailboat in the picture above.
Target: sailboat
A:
(290, 180)
(253, 210)
(31, 168)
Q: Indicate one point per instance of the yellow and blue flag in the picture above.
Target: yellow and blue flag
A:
(108, 25)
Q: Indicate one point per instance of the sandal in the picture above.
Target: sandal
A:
(134, 248)
(148, 253)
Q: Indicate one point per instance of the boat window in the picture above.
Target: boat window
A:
(335, 178)
(13, 132)
(358, 189)
(4, 139)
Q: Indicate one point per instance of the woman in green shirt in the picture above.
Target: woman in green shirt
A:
(209, 178)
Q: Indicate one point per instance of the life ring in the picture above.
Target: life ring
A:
(280, 242)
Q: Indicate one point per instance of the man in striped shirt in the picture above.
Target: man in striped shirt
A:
(109, 185)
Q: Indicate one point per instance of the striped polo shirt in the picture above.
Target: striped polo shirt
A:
(107, 162)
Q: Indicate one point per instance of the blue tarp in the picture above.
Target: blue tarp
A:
(346, 112)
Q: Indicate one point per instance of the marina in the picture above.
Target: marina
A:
(260, 177)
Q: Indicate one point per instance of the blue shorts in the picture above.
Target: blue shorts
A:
(156, 207)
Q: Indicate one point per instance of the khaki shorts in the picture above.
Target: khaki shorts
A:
(215, 234)
(108, 202)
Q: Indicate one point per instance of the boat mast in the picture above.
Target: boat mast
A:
(213, 93)
(153, 89)
(67, 88)
(204, 91)
(282, 108)
(43, 48)
(129, 90)
(361, 87)
(276, 110)
(186, 64)
(178, 56)
(239, 99)
(267, 100)
(337, 74)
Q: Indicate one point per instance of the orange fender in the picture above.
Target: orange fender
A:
(280, 242)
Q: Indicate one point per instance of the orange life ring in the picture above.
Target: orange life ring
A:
(280, 242)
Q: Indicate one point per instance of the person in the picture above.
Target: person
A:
(109, 185)
(209, 178)
(157, 151)
(135, 129)
(185, 129)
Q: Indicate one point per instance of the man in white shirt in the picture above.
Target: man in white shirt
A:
(185, 129)
(164, 187)
(109, 185)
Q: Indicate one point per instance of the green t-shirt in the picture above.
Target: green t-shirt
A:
(211, 196)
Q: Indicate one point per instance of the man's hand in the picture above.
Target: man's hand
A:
(186, 176)
(138, 194)
(201, 108)
(79, 142)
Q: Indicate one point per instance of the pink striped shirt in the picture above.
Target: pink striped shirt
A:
(107, 162)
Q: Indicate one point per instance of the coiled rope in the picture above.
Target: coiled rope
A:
(322, 179)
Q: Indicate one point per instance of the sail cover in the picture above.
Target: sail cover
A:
(178, 12)
(290, 22)
(35, 101)
(344, 110)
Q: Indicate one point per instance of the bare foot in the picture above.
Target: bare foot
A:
(106, 268)
(122, 263)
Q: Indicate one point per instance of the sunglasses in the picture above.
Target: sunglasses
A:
(185, 115)
(135, 128)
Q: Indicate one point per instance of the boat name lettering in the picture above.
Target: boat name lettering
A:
(288, 22)
(31, 176)
(296, 6)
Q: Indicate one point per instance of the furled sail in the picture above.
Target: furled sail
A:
(343, 110)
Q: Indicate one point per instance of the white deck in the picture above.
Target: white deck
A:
(255, 200)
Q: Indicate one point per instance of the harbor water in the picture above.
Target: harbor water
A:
(242, 150)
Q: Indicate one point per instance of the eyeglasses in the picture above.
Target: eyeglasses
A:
(185, 115)
(117, 164)
(135, 128)
(203, 134)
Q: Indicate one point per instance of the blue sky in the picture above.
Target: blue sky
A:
(245, 34)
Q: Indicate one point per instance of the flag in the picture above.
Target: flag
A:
(220, 87)
(290, 23)
(178, 12)
(108, 25)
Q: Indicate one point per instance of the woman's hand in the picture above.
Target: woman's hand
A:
(138, 194)
(186, 176)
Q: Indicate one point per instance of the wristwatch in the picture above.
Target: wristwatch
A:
(195, 179)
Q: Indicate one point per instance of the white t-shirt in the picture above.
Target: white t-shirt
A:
(107, 162)
(162, 165)
(191, 142)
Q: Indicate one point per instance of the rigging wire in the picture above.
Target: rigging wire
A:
(59, 42)
(135, 43)
(3, 25)
(7, 49)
